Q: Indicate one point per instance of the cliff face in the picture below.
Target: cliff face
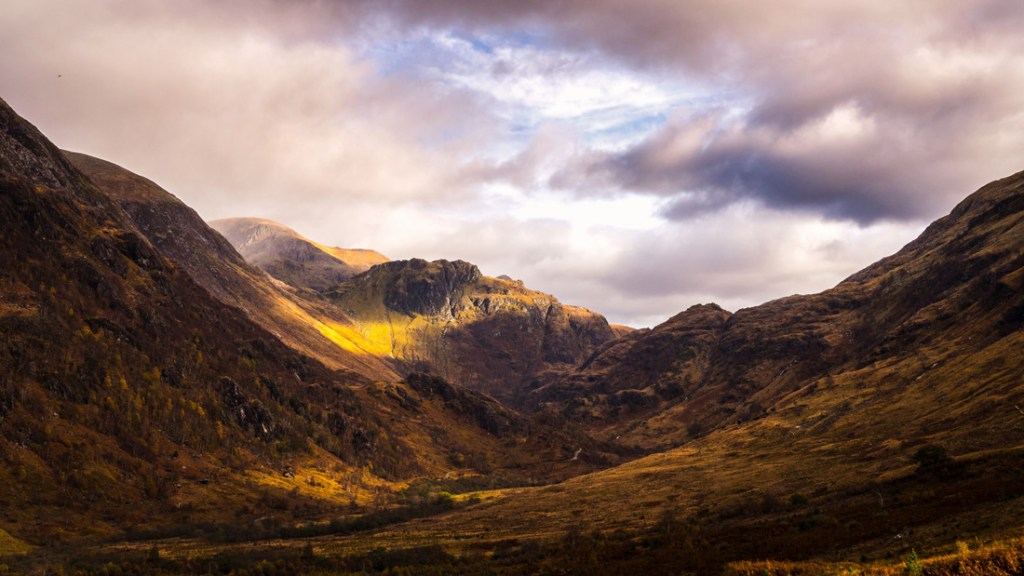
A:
(418, 287)
(488, 334)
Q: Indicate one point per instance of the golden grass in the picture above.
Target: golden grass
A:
(997, 559)
(355, 257)
(11, 546)
(337, 486)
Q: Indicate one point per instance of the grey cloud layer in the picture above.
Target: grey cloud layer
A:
(937, 87)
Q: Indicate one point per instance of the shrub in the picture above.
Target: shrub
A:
(913, 564)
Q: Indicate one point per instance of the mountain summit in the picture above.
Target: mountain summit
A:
(292, 258)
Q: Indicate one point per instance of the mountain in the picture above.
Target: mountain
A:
(161, 399)
(939, 310)
(492, 335)
(291, 258)
(488, 334)
(141, 388)
(302, 321)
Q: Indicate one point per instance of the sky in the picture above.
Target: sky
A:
(635, 158)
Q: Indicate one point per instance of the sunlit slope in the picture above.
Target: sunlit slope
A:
(488, 334)
(302, 321)
(292, 258)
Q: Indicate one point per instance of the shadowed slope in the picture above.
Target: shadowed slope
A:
(303, 322)
(951, 293)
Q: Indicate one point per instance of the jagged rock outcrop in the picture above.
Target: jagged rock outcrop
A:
(428, 288)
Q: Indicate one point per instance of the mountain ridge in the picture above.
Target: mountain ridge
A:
(441, 316)
(178, 230)
(487, 334)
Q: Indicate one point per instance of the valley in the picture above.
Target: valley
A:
(178, 397)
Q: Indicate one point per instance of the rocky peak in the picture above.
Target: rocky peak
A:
(426, 288)
(25, 151)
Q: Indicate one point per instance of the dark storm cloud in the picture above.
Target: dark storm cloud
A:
(841, 166)
(936, 88)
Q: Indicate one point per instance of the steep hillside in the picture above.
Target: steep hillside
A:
(951, 295)
(131, 398)
(291, 258)
(487, 334)
(303, 321)
(639, 375)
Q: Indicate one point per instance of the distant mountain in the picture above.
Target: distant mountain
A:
(290, 257)
(487, 334)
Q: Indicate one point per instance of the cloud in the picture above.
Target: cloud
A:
(720, 257)
(856, 111)
(632, 157)
(230, 107)
(840, 166)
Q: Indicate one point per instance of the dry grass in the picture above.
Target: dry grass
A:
(10, 546)
(999, 559)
